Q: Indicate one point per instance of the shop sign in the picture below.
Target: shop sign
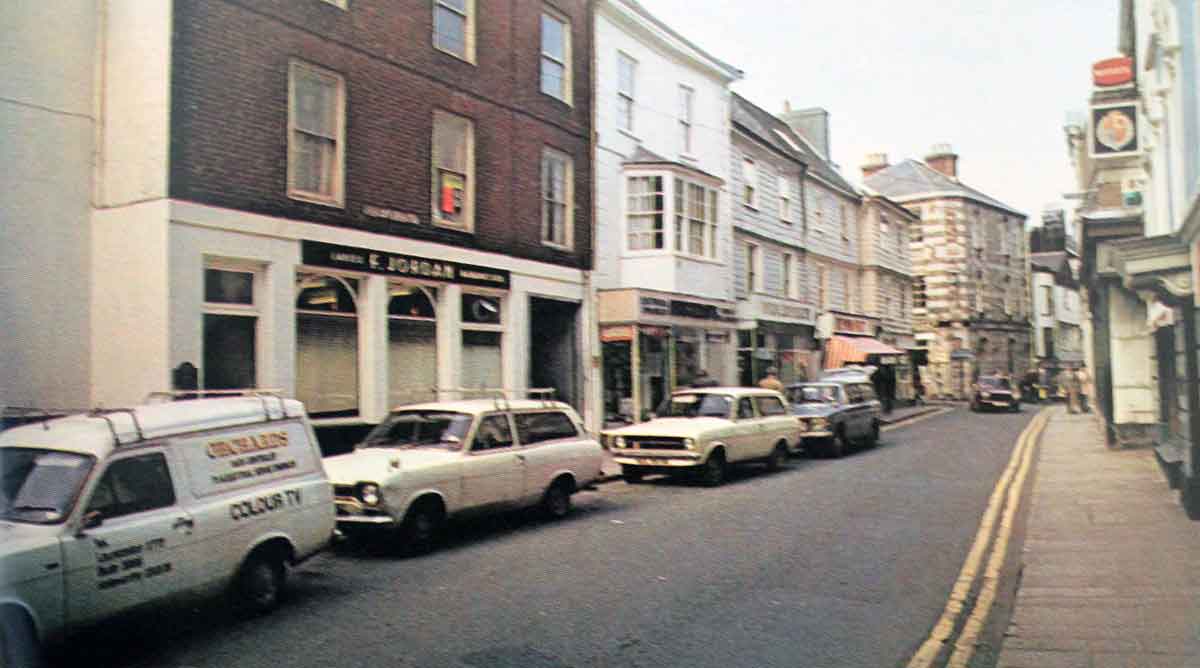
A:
(716, 337)
(1112, 71)
(390, 214)
(787, 311)
(319, 254)
(655, 306)
(657, 332)
(1114, 130)
(848, 325)
(688, 309)
(613, 333)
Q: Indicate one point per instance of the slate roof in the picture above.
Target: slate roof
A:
(1052, 261)
(643, 156)
(767, 128)
(731, 71)
(912, 178)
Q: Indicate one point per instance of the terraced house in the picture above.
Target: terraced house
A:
(970, 265)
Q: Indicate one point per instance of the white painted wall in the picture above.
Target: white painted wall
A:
(660, 71)
(46, 130)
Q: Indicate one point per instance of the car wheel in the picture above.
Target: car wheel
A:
(1016, 408)
(420, 527)
(873, 436)
(19, 645)
(556, 503)
(840, 445)
(776, 458)
(712, 472)
(632, 474)
(259, 585)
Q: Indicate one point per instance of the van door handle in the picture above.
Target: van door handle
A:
(183, 522)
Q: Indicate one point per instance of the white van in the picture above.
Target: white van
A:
(110, 510)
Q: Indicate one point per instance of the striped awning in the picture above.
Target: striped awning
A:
(843, 350)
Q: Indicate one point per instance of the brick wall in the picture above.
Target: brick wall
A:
(229, 113)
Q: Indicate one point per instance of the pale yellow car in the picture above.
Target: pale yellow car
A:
(704, 431)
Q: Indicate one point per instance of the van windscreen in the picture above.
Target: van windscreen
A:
(40, 486)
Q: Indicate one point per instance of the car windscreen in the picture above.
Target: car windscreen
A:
(813, 394)
(40, 486)
(698, 404)
(405, 429)
(992, 383)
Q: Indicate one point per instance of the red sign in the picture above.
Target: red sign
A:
(1113, 71)
(850, 325)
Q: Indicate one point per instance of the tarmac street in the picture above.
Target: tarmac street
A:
(829, 562)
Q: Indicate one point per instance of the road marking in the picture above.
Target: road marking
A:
(956, 605)
(924, 416)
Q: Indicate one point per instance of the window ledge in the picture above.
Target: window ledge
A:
(556, 98)
(689, 157)
(749, 206)
(698, 258)
(309, 198)
(559, 247)
(464, 59)
(629, 134)
(465, 229)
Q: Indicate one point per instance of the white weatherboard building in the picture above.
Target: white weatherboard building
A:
(664, 298)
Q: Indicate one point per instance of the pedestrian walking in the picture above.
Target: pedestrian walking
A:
(1083, 384)
(1068, 383)
(702, 379)
(771, 380)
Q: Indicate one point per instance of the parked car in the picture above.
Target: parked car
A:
(703, 431)
(836, 413)
(995, 392)
(112, 510)
(427, 463)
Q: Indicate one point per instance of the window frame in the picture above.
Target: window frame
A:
(753, 272)
(567, 80)
(788, 287)
(254, 309)
(468, 223)
(468, 54)
(337, 179)
(626, 98)
(550, 155)
(749, 182)
(102, 479)
(687, 98)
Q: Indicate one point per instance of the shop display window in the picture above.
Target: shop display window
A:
(327, 345)
(412, 344)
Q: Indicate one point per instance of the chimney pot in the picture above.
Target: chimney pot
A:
(874, 162)
(942, 158)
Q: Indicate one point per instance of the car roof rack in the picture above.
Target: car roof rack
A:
(263, 394)
(501, 395)
(29, 414)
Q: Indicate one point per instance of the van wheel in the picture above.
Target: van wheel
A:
(259, 585)
(19, 645)
(777, 456)
(556, 503)
(419, 530)
(712, 472)
(839, 445)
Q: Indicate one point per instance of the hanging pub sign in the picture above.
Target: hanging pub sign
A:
(1112, 72)
(1114, 130)
(333, 256)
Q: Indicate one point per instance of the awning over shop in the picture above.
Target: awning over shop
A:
(843, 350)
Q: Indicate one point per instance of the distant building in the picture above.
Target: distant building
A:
(970, 266)
(1057, 313)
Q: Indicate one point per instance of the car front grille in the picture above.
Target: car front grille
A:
(655, 443)
(345, 491)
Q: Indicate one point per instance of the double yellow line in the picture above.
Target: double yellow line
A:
(999, 519)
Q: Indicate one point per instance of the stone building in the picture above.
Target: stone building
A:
(886, 269)
(970, 266)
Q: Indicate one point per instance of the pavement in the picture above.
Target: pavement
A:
(1111, 563)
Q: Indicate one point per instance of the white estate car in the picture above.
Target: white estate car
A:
(110, 510)
(428, 462)
(704, 431)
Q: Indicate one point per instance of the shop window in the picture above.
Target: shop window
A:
(453, 170)
(327, 344)
(454, 28)
(687, 356)
(482, 337)
(556, 57)
(316, 123)
(412, 344)
(644, 211)
(230, 324)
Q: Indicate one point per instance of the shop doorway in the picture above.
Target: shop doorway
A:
(554, 348)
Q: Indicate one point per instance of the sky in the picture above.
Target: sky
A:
(993, 79)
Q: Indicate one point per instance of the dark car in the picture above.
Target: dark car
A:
(995, 392)
(836, 413)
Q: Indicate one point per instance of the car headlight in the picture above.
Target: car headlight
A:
(689, 443)
(820, 424)
(619, 442)
(368, 493)
(985, 395)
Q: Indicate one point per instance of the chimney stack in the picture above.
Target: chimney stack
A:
(943, 159)
(874, 162)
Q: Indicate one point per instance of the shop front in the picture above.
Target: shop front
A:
(653, 342)
(777, 333)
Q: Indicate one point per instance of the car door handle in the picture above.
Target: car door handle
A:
(183, 522)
